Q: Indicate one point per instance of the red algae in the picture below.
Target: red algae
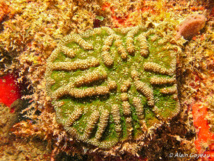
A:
(204, 136)
(9, 90)
(122, 18)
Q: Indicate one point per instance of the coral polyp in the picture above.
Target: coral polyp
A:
(112, 86)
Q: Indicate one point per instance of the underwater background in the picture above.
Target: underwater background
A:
(106, 80)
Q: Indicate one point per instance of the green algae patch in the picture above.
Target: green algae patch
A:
(110, 86)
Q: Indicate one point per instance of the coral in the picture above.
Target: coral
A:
(191, 26)
(102, 84)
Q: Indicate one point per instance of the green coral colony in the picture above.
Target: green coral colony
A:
(111, 86)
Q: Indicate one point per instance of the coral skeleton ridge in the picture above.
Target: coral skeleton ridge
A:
(111, 86)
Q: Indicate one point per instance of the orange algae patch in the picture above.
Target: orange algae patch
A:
(127, 20)
(194, 8)
(204, 136)
(5, 11)
(212, 12)
(194, 38)
(9, 90)
(105, 6)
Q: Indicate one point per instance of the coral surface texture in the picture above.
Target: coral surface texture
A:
(113, 86)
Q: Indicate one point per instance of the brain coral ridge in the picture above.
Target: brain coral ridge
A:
(111, 86)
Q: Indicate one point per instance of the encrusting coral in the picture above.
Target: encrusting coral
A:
(111, 86)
